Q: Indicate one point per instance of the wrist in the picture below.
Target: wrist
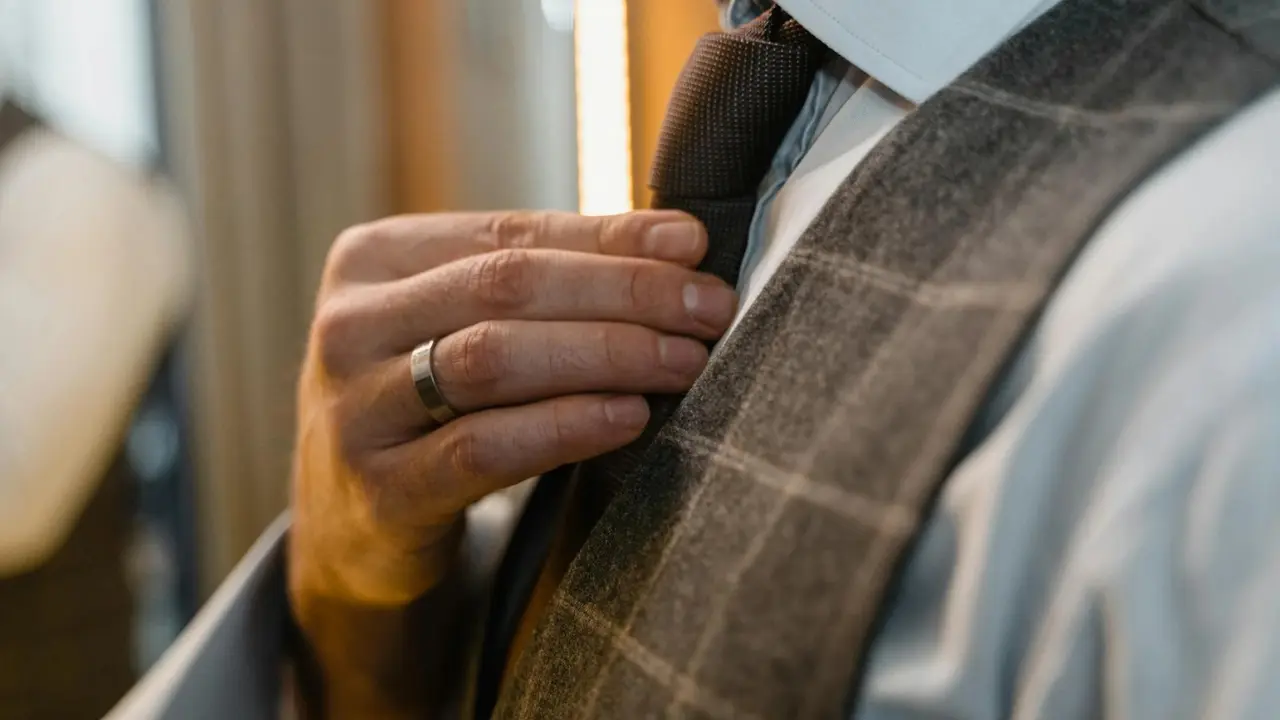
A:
(352, 659)
(340, 551)
(366, 569)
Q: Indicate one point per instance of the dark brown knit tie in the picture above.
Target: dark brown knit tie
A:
(735, 100)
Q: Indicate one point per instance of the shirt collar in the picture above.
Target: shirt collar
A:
(914, 47)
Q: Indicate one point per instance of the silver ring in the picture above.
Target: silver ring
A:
(424, 379)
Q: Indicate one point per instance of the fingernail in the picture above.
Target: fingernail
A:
(683, 355)
(627, 411)
(713, 305)
(673, 241)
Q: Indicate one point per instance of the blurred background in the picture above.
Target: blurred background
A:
(172, 173)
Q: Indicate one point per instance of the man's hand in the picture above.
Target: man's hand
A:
(549, 328)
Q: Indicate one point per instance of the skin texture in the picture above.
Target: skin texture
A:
(550, 327)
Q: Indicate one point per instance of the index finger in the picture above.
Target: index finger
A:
(403, 246)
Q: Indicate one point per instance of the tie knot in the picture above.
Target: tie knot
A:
(736, 98)
(778, 26)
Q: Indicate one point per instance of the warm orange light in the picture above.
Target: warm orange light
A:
(604, 107)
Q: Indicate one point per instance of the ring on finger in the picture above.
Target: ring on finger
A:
(424, 380)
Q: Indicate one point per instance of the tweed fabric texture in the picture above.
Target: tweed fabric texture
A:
(741, 570)
(1256, 22)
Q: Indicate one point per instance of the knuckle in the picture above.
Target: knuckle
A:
(616, 234)
(517, 229)
(502, 279)
(625, 349)
(585, 353)
(349, 251)
(481, 355)
(463, 455)
(642, 288)
(562, 428)
(334, 335)
(356, 440)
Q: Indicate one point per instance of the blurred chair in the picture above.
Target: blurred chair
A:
(94, 274)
